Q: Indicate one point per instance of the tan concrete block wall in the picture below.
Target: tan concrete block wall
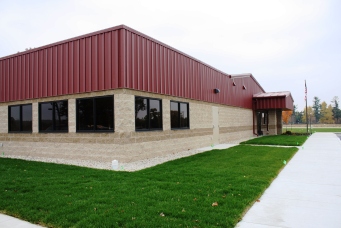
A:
(125, 144)
(35, 122)
(72, 114)
(166, 114)
(3, 118)
(272, 122)
(200, 115)
(104, 147)
(235, 124)
(124, 112)
(279, 121)
(235, 116)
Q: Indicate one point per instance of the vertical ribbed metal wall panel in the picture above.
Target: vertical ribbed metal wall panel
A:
(59, 73)
(117, 58)
(82, 64)
(122, 58)
(274, 103)
(101, 62)
(54, 77)
(2, 83)
(15, 79)
(86, 64)
(10, 79)
(65, 69)
(154, 67)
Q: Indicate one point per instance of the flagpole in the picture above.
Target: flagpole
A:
(306, 103)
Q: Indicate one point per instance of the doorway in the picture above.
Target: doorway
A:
(262, 122)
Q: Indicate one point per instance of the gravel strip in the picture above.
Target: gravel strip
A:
(131, 166)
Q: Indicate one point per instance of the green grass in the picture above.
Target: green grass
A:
(182, 190)
(282, 140)
(304, 130)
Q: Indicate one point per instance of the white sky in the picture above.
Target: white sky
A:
(281, 43)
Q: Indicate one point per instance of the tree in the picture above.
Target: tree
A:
(317, 109)
(140, 105)
(310, 115)
(297, 115)
(336, 110)
(326, 114)
(286, 116)
(293, 117)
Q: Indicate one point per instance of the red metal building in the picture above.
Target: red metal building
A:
(122, 67)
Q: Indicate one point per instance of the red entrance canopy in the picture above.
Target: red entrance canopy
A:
(273, 100)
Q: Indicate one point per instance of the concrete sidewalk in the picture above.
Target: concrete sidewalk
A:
(11, 222)
(307, 193)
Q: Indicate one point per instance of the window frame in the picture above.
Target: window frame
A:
(179, 113)
(53, 117)
(94, 113)
(20, 118)
(148, 114)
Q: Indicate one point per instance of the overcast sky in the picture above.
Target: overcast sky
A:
(281, 43)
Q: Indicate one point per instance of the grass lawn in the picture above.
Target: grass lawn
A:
(178, 193)
(283, 140)
(317, 129)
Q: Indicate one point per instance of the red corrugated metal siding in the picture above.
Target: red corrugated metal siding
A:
(285, 103)
(279, 100)
(152, 67)
(82, 65)
(117, 58)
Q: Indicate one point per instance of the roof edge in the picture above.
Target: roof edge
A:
(285, 94)
(64, 41)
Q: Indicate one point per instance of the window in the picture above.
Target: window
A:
(179, 115)
(20, 118)
(53, 116)
(95, 114)
(148, 114)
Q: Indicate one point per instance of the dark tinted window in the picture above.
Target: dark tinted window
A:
(46, 117)
(61, 115)
(85, 117)
(141, 114)
(95, 114)
(174, 114)
(155, 114)
(148, 114)
(20, 118)
(184, 123)
(179, 115)
(27, 117)
(53, 116)
(104, 113)
(15, 118)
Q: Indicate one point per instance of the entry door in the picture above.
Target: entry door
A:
(215, 117)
